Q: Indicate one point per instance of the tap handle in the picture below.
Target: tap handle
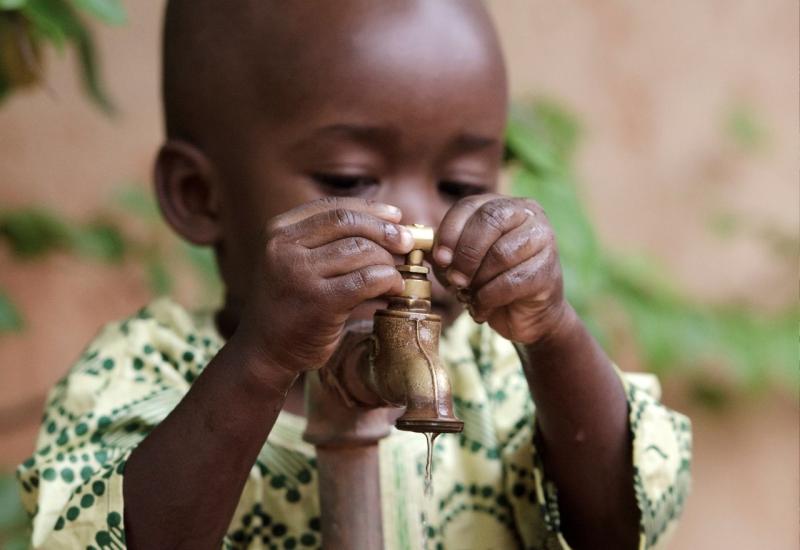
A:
(423, 236)
(423, 242)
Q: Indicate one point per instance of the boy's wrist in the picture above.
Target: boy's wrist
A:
(260, 373)
(556, 341)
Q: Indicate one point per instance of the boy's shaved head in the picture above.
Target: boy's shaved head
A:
(270, 104)
(229, 63)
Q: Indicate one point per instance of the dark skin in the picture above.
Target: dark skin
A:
(303, 208)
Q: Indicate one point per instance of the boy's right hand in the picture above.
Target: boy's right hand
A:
(320, 260)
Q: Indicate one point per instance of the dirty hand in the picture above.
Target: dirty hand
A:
(320, 261)
(500, 253)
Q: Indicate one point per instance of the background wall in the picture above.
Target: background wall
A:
(659, 88)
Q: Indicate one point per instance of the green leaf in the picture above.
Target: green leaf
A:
(10, 318)
(676, 335)
(33, 232)
(90, 73)
(542, 135)
(202, 259)
(107, 11)
(58, 21)
(725, 225)
(11, 4)
(158, 276)
(136, 200)
(673, 334)
(744, 128)
(12, 514)
(5, 82)
(54, 20)
(100, 240)
(577, 242)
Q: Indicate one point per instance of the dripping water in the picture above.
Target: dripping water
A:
(430, 439)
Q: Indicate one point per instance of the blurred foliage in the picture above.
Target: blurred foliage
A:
(13, 520)
(10, 319)
(33, 232)
(110, 237)
(28, 27)
(743, 127)
(674, 334)
(729, 225)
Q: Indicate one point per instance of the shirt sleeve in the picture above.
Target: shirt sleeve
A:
(123, 385)
(661, 450)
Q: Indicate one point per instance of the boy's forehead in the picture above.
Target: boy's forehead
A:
(356, 51)
(287, 57)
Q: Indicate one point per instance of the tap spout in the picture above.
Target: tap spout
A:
(404, 368)
(398, 364)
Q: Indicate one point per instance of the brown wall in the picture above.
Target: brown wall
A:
(652, 83)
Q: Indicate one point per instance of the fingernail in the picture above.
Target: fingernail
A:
(391, 209)
(443, 256)
(475, 317)
(458, 279)
(406, 238)
(392, 232)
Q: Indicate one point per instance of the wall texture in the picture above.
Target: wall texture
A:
(654, 85)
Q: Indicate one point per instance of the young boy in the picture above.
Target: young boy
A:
(300, 135)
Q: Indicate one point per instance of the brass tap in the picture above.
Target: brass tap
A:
(404, 365)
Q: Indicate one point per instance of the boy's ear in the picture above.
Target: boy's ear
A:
(188, 191)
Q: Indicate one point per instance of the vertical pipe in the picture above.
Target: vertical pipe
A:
(346, 442)
(350, 497)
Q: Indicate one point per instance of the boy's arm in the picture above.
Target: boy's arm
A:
(584, 438)
(182, 483)
(501, 252)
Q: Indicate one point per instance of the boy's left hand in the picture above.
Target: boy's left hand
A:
(500, 252)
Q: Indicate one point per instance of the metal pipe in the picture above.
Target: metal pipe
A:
(346, 442)
(375, 377)
(350, 497)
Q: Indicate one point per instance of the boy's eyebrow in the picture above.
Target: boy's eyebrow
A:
(382, 135)
(365, 133)
(473, 142)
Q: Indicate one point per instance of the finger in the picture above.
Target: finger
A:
(533, 279)
(364, 284)
(440, 273)
(512, 249)
(450, 229)
(338, 223)
(346, 255)
(486, 225)
(375, 208)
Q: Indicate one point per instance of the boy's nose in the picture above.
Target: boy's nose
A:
(420, 216)
(417, 198)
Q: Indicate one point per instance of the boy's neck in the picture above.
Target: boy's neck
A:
(226, 320)
(295, 400)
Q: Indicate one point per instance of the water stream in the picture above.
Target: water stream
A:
(430, 438)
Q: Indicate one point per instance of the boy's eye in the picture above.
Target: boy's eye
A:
(459, 190)
(342, 184)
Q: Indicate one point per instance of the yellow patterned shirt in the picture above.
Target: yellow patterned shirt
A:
(490, 491)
